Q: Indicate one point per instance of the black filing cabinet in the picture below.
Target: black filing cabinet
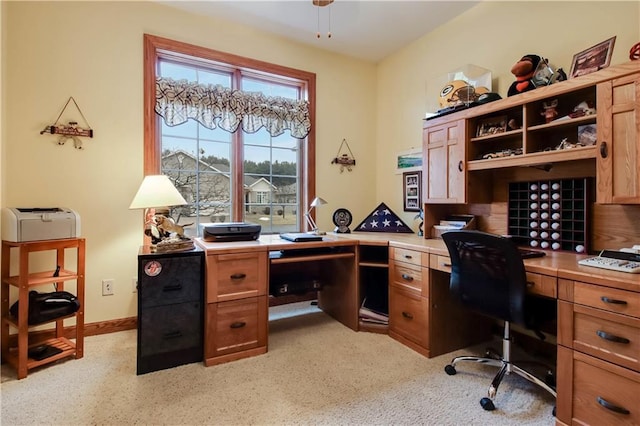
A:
(170, 309)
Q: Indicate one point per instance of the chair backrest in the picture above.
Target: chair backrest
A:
(487, 274)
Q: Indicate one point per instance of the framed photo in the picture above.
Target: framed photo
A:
(593, 59)
(412, 193)
(491, 126)
(409, 161)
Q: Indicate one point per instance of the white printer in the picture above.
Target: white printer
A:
(34, 224)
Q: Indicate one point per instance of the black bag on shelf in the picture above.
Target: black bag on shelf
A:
(45, 307)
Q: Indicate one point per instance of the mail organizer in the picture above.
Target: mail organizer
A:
(451, 222)
(551, 214)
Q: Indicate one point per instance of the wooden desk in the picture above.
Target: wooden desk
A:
(598, 377)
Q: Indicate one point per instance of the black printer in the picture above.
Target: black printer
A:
(230, 231)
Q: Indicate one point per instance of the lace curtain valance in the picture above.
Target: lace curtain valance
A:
(217, 106)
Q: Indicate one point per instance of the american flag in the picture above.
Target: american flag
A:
(382, 219)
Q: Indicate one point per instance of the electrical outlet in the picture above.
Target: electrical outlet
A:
(107, 287)
(134, 285)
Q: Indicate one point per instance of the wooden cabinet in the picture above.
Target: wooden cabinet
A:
(27, 280)
(373, 286)
(422, 313)
(409, 298)
(237, 307)
(600, 354)
(170, 309)
(444, 177)
(618, 146)
(514, 132)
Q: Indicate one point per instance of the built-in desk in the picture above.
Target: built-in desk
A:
(598, 310)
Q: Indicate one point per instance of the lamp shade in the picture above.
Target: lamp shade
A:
(157, 191)
(318, 202)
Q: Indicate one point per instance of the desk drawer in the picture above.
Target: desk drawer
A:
(609, 299)
(440, 263)
(408, 256)
(405, 275)
(544, 285)
(236, 276)
(408, 315)
(236, 326)
(600, 391)
(609, 336)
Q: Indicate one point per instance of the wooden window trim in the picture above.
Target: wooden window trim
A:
(154, 46)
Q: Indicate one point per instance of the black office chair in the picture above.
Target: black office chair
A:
(488, 276)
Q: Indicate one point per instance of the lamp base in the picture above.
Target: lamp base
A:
(173, 244)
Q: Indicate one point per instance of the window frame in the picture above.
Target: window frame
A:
(156, 47)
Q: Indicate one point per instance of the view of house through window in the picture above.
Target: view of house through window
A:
(232, 176)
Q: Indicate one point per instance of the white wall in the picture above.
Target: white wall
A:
(93, 52)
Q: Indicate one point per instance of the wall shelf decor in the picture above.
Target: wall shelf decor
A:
(346, 161)
(71, 130)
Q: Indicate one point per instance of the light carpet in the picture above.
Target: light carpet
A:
(316, 371)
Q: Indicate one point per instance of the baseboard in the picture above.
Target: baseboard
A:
(91, 329)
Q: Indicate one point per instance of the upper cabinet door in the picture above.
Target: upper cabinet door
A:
(618, 145)
(444, 166)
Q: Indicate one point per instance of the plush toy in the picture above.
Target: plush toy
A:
(524, 70)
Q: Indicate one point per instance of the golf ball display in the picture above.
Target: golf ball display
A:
(551, 214)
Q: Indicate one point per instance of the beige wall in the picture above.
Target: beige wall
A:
(493, 35)
(93, 51)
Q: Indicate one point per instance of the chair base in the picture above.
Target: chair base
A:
(505, 366)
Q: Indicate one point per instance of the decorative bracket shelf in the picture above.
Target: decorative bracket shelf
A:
(70, 131)
(345, 160)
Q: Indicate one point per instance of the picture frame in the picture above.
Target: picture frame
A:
(592, 59)
(491, 126)
(409, 160)
(412, 191)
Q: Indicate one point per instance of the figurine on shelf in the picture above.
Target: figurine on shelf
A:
(549, 111)
(524, 70)
(582, 109)
(421, 217)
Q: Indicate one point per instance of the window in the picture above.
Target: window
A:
(256, 172)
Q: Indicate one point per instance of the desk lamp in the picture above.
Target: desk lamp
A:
(157, 191)
(317, 202)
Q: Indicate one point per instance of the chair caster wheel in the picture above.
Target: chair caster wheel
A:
(554, 411)
(550, 379)
(487, 404)
(450, 370)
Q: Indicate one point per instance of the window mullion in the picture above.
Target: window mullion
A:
(237, 169)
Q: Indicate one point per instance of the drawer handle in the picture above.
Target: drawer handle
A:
(238, 324)
(407, 315)
(408, 256)
(237, 276)
(407, 277)
(176, 287)
(460, 166)
(172, 335)
(530, 284)
(609, 406)
(612, 338)
(604, 151)
(446, 265)
(605, 299)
